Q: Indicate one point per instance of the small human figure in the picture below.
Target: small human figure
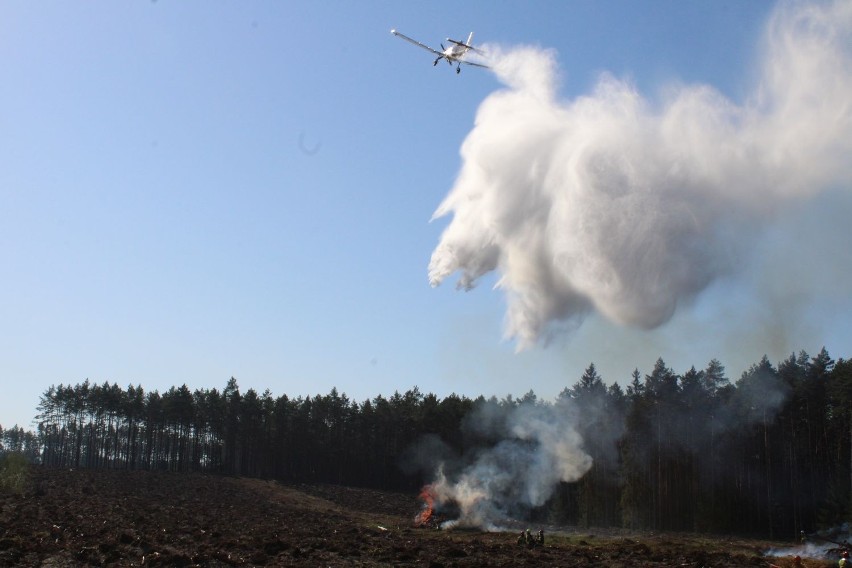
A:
(540, 537)
(522, 538)
(844, 560)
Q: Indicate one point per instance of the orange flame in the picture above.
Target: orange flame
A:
(428, 498)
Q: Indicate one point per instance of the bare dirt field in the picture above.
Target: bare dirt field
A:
(118, 518)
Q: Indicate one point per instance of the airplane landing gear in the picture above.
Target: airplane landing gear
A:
(458, 69)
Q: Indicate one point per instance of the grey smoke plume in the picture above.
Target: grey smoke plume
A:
(615, 204)
(538, 447)
(520, 452)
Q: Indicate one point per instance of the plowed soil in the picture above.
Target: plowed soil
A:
(119, 518)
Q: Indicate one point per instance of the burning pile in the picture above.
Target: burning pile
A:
(525, 451)
(427, 496)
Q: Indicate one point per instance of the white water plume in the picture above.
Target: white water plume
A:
(615, 204)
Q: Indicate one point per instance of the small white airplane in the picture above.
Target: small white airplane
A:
(453, 54)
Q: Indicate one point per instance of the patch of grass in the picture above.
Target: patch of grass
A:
(14, 472)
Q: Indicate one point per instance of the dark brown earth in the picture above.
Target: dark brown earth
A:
(118, 518)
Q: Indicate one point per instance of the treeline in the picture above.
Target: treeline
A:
(20, 441)
(325, 439)
(768, 455)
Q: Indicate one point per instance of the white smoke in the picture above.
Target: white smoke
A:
(615, 204)
(827, 544)
(538, 447)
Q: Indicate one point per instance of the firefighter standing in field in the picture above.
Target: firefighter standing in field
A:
(844, 560)
(527, 539)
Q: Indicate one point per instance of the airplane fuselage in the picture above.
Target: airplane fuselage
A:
(454, 53)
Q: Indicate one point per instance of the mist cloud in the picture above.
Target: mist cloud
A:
(615, 204)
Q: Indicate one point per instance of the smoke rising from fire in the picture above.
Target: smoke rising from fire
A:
(614, 204)
(537, 447)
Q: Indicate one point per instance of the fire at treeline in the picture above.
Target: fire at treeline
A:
(768, 454)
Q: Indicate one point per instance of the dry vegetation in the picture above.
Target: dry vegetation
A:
(117, 518)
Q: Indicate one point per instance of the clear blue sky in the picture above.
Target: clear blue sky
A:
(193, 190)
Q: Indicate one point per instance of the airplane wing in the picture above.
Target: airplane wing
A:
(415, 42)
